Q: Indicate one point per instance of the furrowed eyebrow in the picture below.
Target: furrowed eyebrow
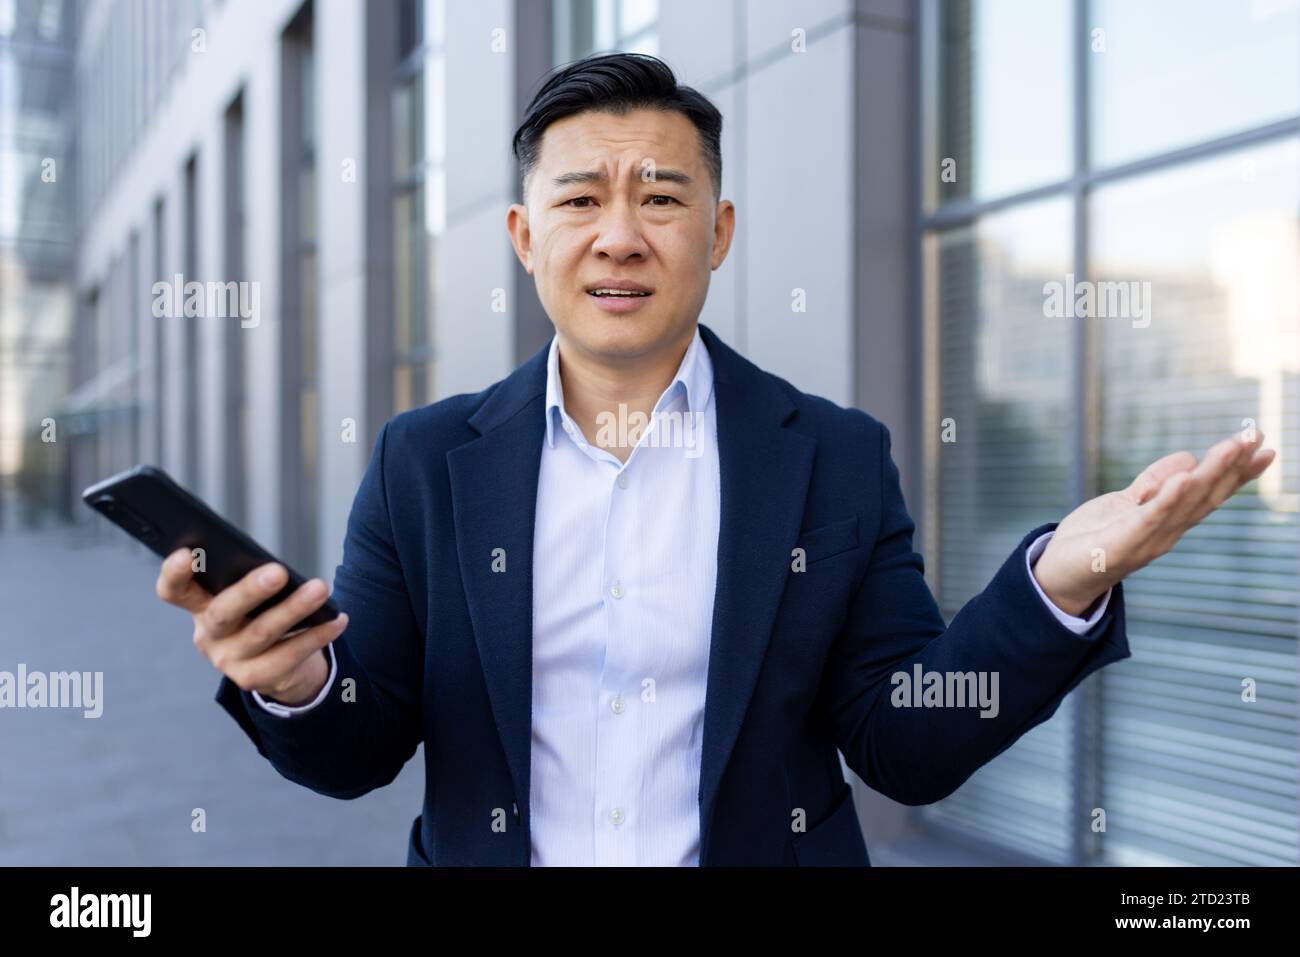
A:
(579, 177)
(583, 177)
(671, 176)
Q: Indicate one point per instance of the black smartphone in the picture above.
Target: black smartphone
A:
(155, 509)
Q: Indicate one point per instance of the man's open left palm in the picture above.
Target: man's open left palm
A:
(1135, 526)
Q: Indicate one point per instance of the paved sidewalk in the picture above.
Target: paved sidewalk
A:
(121, 789)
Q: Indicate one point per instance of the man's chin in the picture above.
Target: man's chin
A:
(615, 336)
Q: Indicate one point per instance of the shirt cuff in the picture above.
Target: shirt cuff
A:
(1074, 623)
(284, 710)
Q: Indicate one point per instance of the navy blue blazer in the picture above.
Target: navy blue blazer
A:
(439, 648)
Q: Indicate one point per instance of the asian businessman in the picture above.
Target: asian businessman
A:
(637, 597)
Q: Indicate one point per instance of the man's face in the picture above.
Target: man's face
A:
(622, 199)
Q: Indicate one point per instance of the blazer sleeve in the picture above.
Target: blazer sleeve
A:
(368, 725)
(919, 755)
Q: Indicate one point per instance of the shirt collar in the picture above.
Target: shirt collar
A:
(694, 378)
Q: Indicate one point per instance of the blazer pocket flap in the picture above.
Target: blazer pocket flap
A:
(825, 541)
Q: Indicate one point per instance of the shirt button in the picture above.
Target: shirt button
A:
(616, 816)
(622, 480)
(617, 705)
(616, 590)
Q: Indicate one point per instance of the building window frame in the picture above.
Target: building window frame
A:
(419, 180)
(1084, 425)
(585, 27)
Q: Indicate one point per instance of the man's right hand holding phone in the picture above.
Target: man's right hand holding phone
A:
(255, 653)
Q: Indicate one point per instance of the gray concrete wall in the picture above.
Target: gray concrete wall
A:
(475, 345)
(340, 40)
(787, 158)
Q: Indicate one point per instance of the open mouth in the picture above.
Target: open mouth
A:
(617, 293)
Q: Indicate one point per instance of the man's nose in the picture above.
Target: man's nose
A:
(619, 235)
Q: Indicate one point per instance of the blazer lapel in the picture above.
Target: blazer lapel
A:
(765, 470)
(494, 504)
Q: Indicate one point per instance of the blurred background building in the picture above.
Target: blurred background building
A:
(918, 170)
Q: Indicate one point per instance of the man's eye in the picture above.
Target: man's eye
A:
(578, 202)
(670, 200)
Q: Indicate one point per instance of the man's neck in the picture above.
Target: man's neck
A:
(593, 387)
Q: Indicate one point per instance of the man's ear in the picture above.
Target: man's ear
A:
(724, 228)
(520, 235)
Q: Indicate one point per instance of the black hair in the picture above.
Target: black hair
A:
(617, 83)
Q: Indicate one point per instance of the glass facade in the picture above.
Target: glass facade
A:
(419, 194)
(188, 327)
(1001, 121)
(301, 346)
(159, 371)
(1192, 774)
(1003, 388)
(235, 440)
(1166, 74)
(37, 306)
(72, 376)
(596, 26)
(1154, 158)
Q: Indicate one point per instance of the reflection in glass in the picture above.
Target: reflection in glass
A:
(303, 358)
(1000, 80)
(419, 204)
(37, 303)
(406, 126)
(1194, 775)
(600, 26)
(1174, 72)
(1003, 379)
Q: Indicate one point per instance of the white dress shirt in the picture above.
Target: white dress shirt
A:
(624, 572)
